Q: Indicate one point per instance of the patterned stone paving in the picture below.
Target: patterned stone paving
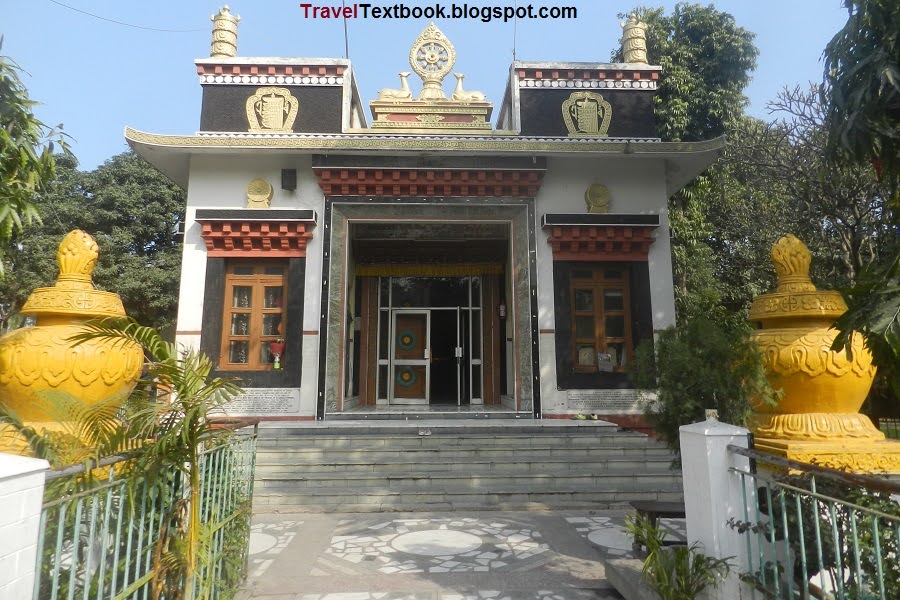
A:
(486, 556)
(461, 545)
(267, 541)
(611, 538)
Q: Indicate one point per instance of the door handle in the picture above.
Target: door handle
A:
(427, 353)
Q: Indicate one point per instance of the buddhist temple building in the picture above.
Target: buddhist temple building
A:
(430, 251)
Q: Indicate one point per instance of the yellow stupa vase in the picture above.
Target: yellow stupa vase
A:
(817, 418)
(43, 358)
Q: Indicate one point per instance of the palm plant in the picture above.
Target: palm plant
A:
(171, 410)
(164, 425)
(676, 572)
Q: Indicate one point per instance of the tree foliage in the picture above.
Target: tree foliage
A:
(132, 211)
(706, 63)
(782, 171)
(27, 163)
(862, 84)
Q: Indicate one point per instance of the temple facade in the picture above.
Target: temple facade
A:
(435, 258)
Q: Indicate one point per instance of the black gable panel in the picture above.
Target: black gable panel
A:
(632, 111)
(225, 108)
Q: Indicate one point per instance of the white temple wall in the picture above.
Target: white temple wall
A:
(636, 187)
(218, 181)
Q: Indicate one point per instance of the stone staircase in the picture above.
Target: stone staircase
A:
(346, 466)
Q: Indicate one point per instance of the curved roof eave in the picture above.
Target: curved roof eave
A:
(171, 153)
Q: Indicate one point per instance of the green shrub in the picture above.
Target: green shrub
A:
(696, 366)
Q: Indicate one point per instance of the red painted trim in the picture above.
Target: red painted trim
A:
(291, 70)
(273, 239)
(431, 182)
(588, 74)
(601, 242)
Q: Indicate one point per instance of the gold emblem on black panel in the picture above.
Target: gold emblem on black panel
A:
(587, 114)
(272, 109)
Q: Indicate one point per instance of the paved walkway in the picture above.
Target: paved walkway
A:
(436, 556)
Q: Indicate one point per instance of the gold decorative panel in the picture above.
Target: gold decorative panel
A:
(597, 198)
(272, 109)
(587, 114)
(259, 194)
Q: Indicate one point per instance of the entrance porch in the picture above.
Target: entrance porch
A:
(432, 314)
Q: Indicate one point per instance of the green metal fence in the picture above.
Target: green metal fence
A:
(890, 427)
(109, 541)
(813, 532)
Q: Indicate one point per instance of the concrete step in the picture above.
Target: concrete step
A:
(460, 499)
(496, 426)
(289, 463)
(508, 454)
(425, 481)
(443, 441)
(472, 465)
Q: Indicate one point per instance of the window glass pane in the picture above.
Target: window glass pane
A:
(238, 352)
(584, 299)
(585, 355)
(582, 274)
(382, 382)
(243, 270)
(444, 291)
(476, 291)
(476, 381)
(604, 362)
(240, 296)
(617, 353)
(384, 346)
(384, 286)
(615, 326)
(265, 354)
(407, 292)
(613, 300)
(272, 298)
(272, 325)
(584, 327)
(240, 324)
(612, 274)
(476, 334)
(274, 271)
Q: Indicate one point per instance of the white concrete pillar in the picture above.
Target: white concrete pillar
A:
(21, 498)
(713, 494)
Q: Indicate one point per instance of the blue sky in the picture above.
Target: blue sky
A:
(96, 77)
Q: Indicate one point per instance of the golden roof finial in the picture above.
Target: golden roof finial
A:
(634, 40)
(77, 256)
(791, 259)
(74, 293)
(224, 35)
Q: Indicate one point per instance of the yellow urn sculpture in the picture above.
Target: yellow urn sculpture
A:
(817, 418)
(43, 358)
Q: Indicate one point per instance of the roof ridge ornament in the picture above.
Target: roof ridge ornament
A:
(224, 35)
(432, 57)
(634, 40)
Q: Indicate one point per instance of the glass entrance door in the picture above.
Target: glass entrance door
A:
(430, 340)
(411, 356)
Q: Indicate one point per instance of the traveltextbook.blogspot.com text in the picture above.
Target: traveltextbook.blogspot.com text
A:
(485, 14)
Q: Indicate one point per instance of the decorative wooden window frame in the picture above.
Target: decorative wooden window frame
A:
(600, 280)
(256, 311)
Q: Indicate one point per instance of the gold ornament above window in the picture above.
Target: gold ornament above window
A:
(272, 109)
(586, 114)
(259, 194)
(597, 198)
